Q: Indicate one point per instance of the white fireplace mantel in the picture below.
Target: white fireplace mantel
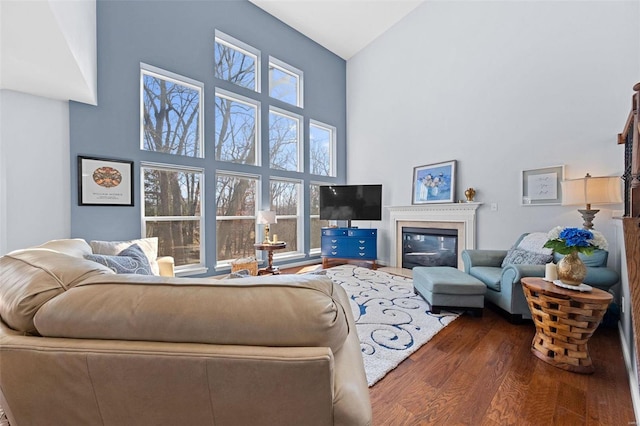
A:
(459, 215)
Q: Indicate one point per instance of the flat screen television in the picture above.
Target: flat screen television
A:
(351, 202)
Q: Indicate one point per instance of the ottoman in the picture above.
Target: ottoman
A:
(447, 287)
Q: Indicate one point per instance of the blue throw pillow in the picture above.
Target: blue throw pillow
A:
(131, 260)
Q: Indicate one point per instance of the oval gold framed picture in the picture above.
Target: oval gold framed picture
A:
(107, 177)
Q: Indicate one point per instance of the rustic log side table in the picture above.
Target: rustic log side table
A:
(565, 320)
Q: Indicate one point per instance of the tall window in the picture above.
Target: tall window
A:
(237, 128)
(173, 212)
(286, 202)
(236, 62)
(172, 126)
(171, 113)
(285, 82)
(235, 215)
(322, 149)
(316, 224)
(285, 145)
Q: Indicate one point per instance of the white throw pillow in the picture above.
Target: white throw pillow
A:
(534, 242)
(148, 245)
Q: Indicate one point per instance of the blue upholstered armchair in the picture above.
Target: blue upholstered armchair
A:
(503, 278)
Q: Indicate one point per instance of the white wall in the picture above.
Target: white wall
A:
(500, 87)
(48, 48)
(34, 170)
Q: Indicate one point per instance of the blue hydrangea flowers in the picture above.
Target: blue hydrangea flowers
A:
(571, 240)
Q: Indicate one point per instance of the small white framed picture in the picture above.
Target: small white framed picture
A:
(542, 187)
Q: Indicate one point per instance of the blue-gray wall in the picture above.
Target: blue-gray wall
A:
(178, 36)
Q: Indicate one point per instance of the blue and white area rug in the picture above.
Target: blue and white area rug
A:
(392, 322)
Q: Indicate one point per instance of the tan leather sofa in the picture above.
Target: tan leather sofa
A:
(81, 345)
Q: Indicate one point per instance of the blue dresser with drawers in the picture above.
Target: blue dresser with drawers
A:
(350, 244)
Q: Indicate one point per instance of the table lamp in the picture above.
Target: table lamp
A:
(591, 190)
(266, 217)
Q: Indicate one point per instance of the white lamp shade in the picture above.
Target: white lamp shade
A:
(591, 190)
(266, 217)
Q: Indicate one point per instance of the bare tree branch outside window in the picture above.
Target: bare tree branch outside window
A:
(234, 66)
(285, 200)
(171, 116)
(284, 141)
(169, 194)
(235, 131)
(172, 125)
(321, 141)
(235, 216)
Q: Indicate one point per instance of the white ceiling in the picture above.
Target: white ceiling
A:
(48, 47)
(342, 26)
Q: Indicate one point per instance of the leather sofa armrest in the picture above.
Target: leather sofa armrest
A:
(166, 266)
(513, 273)
(472, 258)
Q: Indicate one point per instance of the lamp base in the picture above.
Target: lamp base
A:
(588, 216)
(266, 234)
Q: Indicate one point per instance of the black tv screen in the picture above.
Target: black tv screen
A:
(351, 202)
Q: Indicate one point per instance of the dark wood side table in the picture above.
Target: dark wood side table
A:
(565, 320)
(269, 248)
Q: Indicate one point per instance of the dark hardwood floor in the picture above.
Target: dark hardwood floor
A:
(480, 371)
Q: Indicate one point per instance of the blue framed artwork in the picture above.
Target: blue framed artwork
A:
(434, 183)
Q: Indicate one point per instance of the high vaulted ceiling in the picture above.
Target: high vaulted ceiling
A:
(48, 47)
(342, 26)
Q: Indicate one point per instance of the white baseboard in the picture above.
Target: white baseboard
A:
(633, 380)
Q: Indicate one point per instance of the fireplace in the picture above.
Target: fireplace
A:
(429, 247)
(456, 217)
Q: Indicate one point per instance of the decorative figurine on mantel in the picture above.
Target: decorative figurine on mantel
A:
(470, 193)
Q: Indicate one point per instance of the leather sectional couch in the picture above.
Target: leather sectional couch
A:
(81, 345)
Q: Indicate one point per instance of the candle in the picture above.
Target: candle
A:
(550, 272)
(275, 238)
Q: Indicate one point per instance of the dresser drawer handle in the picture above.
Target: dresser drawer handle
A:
(334, 241)
(362, 254)
(334, 253)
(361, 248)
(362, 241)
(334, 247)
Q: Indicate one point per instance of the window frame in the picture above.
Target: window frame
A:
(226, 264)
(333, 149)
(152, 71)
(299, 216)
(244, 48)
(235, 97)
(193, 269)
(315, 251)
(293, 71)
(299, 136)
